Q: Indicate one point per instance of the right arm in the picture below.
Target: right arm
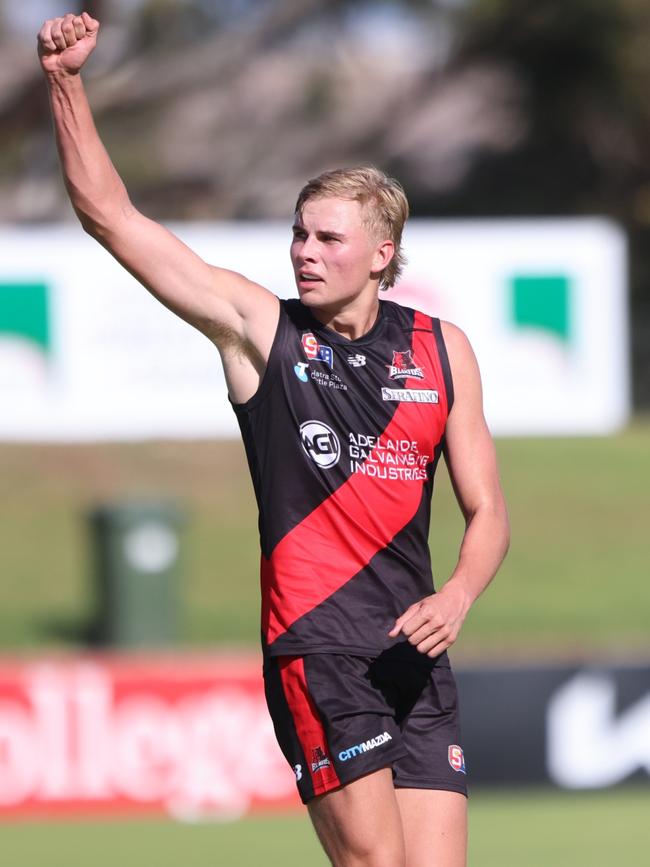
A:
(239, 316)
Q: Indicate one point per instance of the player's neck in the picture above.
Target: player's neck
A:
(352, 321)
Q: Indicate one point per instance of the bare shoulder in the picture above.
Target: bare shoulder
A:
(462, 360)
(247, 297)
(254, 313)
(456, 340)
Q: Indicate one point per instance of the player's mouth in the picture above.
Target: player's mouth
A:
(307, 280)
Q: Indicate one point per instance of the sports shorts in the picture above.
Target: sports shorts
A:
(338, 717)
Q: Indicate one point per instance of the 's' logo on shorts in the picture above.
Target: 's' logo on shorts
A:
(456, 758)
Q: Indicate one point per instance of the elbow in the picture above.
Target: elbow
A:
(89, 222)
(99, 229)
(89, 225)
(99, 221)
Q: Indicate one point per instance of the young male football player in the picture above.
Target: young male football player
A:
(345, 403)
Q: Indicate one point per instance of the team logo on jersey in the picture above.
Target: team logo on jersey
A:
(300, 370)
(319, 760)
(404, 366)
(316, 351)
(456, 758)
(357, 360)
(320, 443)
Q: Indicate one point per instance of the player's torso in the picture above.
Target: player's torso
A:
(342, 441)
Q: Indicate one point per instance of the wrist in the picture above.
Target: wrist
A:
(457, 585)
(61, 76)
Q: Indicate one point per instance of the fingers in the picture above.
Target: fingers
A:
(404, 618)
(57, 34)
(68, 31)
(412, 622)
(91, 24)
(426, 630)
(79, 27)
(434, 647)
(45, 36)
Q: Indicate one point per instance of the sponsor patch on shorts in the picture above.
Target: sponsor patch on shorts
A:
(364, 747)
(456, 758)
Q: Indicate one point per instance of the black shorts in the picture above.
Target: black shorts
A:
(339, 717)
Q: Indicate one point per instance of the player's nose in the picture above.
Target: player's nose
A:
(309, 249)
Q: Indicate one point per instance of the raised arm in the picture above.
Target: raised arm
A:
(239, 316)
(433, 624)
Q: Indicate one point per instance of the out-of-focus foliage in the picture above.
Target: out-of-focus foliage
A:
(481, 107)
(585, 68)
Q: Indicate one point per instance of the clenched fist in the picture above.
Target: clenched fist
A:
(64, 44)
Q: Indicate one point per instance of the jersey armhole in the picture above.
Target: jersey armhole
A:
(444, 362)
(273, 366)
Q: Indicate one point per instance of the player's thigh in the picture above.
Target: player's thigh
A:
(359, 825)
(434, 824)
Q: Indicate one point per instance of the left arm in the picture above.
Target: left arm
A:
(432, 625)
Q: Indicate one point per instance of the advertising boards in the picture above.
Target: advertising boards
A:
(191, 737)
(86, 354)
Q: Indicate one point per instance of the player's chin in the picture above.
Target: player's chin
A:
(311, 295)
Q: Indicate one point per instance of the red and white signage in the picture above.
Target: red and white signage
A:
(189, 737)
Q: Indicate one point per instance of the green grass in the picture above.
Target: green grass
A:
(279, 841)
(574, 582)
(531, 828)
(539, 829)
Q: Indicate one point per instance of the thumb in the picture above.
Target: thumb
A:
(91, 24)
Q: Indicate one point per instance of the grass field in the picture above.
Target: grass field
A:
(525, 829)
(575, 581)
(574, 585)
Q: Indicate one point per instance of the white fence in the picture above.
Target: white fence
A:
(86, 353)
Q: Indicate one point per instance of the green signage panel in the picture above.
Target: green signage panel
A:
(542, 301)
(24, 312)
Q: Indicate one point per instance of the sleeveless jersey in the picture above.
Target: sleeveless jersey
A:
(342, 440)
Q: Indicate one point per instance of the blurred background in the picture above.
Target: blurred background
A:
(128, 550)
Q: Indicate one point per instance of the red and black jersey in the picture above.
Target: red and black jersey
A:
(342, 439)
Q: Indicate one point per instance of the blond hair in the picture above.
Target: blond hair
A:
(384, 204)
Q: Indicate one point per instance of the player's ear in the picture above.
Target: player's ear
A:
(384, 252)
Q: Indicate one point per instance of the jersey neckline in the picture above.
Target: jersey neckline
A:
(333, 336)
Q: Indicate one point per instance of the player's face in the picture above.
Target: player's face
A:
(333, 256)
